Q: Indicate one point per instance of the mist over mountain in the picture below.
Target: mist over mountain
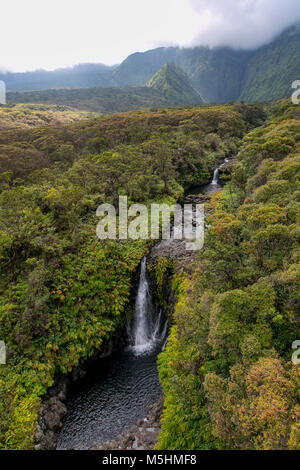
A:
(218, 74)
(222, 74)
(243, 24)
(81, 75)
(273, 68)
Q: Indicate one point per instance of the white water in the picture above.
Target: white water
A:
(215, 179)
(147, 331)
(216, 176)
(214, 185)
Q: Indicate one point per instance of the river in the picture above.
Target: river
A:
(116, 392)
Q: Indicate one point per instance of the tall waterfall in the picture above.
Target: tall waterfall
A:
(147, 331)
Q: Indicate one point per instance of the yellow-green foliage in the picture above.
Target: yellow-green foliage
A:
(62, 291)
(227, 372)
(161, 269)
(34, 115)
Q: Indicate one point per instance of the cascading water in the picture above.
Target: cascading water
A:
(214, 185)
(118, 390)
(146, 332)
(216, 176)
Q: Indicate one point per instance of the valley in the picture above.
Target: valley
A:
(64, 294)
(149, 231)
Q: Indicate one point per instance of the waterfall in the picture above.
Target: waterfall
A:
(143, 310)
(147, 331)
(216, 176)
(214, 185)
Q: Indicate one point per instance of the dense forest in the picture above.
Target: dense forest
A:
(226, 372)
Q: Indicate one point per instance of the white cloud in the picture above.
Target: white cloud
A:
(59, 33)
(243, 24)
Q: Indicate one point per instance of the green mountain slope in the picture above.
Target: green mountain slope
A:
(217, 74)
(138, 68)
(175, 85)
(273, 68)
(170, 88)
(64, 292)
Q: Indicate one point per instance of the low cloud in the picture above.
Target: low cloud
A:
(243, 24)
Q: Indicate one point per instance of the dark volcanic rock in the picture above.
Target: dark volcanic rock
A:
(52, 412)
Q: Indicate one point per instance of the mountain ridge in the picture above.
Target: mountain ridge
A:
(175, 85)
(169, 87)
(219, 74)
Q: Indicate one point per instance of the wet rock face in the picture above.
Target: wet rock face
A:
(196, 199)
(142, 436)
(52, 412)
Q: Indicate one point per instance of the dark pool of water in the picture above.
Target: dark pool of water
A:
(116, 392)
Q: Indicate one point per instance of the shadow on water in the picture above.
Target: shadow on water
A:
(116, 392)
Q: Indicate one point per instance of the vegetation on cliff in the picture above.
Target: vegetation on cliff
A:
(227, 372)
(272, 70)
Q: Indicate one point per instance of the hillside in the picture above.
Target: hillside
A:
(35, 115)
(100, 100)
(175, 85)
(272, 70)
(227, 372)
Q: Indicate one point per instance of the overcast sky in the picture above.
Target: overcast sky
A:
(58, 33)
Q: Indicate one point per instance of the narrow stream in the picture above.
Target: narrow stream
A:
(118, 391)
